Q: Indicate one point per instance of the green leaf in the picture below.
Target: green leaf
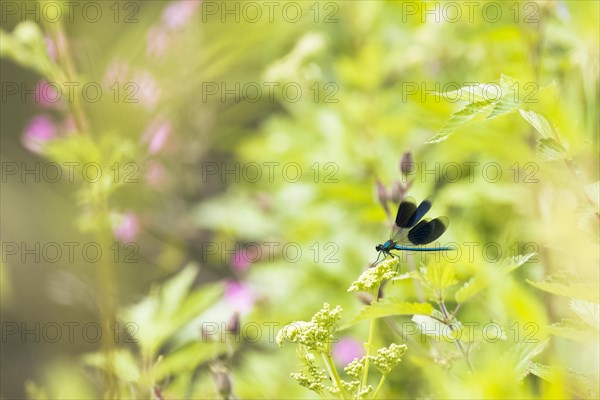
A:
(26, 46)
(574, 330)
(551, 149)
(539, 122)
(587, 311)
(579, 384)
(435, 328)
(523, 353)
(460, 118)
(125, 366)
(593, 192)
(390, 307)
(439, 276)
(169, 308)
(503, 106)
(472, 94)
(187, 358)
(475, 285)
(562, 285)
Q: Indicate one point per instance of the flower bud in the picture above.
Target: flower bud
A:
(407, 164)
(222, 381)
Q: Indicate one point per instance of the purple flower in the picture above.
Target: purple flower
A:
(46, 94)
(38, 131)
(177, 13)
(157, 41)
(239, 296)
(117, 72)
(240, 261)
(149, 92)
(155, 174)
(126, 227)
(346, 350)
(156, 135)
(50, 48)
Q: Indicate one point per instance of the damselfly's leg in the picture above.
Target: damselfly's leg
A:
(376, 261)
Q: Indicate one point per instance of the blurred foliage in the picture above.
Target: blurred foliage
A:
(376, 82)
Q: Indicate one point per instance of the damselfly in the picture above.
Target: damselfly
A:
(411, 231)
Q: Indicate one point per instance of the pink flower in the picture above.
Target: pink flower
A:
(148, 90)
(157, 41)
(117, 72)
(155, 174)
(126, 227)
(177, 13)
(240, 260)
(46, 94)
(38, 131)
(50, 48)
(239, 296)
(346, 350)
(156, 135)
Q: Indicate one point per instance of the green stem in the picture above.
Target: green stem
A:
(449, 323)
(333, 373)
(369, 345)
(107, 291)
(379, 386)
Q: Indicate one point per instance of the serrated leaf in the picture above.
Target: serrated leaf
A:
(551, 149)
(26, 46)
(475, 285)
(473, 93)
(539, 123)
(574, 330)
(439, 276)
(390, 307)
(124, 364)
(187, 358)
(578, 384)
(460, 118)
(562, 287)
(523, 353)
(593, 192)
(503, 106)
(163, 313)
(435, 328)
(587, 311)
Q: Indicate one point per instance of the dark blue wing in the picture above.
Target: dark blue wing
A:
(406, 210)
(420, 212)
(427, 231)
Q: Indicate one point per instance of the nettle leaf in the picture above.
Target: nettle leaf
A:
(581, 385)
(539, 122)
(169, 308)
(551, 149)
(473, 93)
(439, 276)
(475, 285)
(551, 145)
(574, 330)
(564, 285)
(26, 46)
(503, 106)
(459, 118)
(523, 354)
(587, 311)
(187, 358)
(593, 192)
(388, 308)
(435, 328)
(124, 364)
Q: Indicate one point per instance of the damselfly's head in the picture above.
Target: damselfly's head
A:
(379, 247)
